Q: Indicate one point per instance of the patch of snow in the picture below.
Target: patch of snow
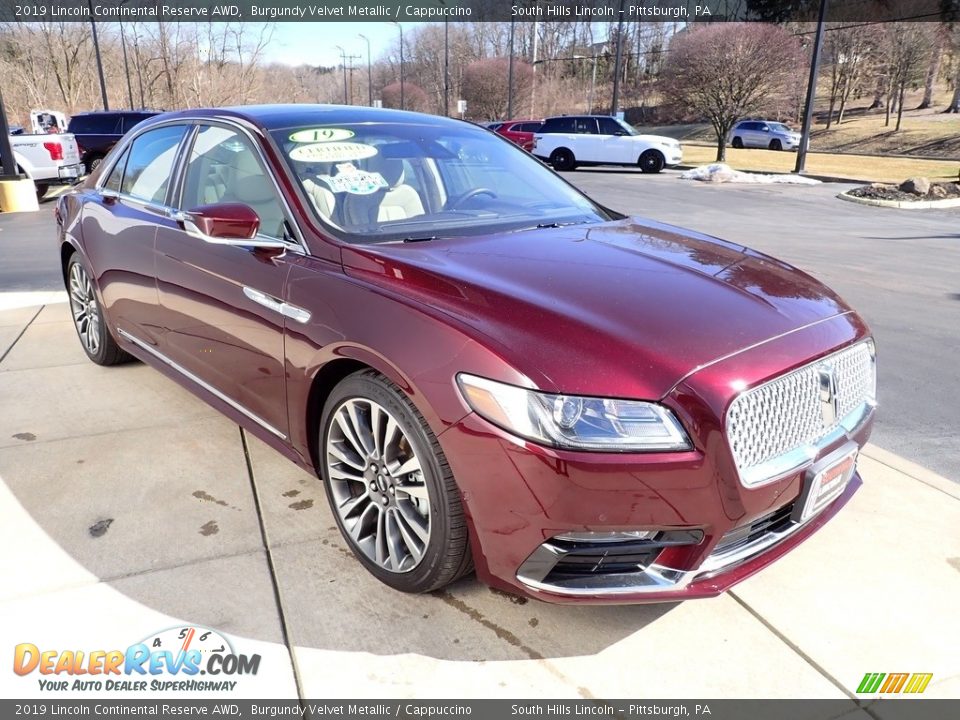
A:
(723, 173)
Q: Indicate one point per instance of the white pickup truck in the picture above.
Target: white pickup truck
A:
(52, 159)
(572, 140)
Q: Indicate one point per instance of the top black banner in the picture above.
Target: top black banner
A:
(478, 10)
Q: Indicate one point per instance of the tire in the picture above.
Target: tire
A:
(88, 320)
(92, 163)
(42, 189)
(737, 143)
(776, 145)
(563, 160)
(651, 161)
(414, 541)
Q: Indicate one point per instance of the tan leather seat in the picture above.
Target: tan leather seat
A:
(323, 199)
(400, 201)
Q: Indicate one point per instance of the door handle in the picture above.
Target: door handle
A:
(293, 312)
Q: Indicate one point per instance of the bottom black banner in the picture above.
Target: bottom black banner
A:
(893, 709)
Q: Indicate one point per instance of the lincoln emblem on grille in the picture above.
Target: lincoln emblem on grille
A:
(828, 393)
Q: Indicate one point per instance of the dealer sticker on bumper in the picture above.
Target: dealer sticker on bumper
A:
(827, 480)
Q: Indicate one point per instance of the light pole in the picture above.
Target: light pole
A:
(96, 50)
(616, 64)
(510, 74)
(400, 27)
(369, 72)
(811, 92)
(126, 65)
(343, 64)
(446, 59)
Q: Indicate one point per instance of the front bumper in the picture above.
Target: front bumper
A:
(519, 496)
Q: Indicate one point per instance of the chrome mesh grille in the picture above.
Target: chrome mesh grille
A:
(780, 416)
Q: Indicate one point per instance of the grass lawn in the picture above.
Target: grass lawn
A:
(856, 167)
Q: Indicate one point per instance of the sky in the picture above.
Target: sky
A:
(296, 43)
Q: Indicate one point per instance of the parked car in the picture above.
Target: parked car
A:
(97, 132)
(764, 134)
(520, 132)
(48, 159)
(569, 141)
(483, 366)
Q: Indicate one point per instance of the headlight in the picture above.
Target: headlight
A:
(575, 422)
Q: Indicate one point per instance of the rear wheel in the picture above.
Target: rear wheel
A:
(390, 487)
(92, 163)
(42, 189)
(95, 338)
(776, 145)
(737, 142)
(651, 161)
(563, 159)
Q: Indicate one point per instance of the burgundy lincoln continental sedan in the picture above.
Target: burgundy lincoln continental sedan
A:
(484, 367)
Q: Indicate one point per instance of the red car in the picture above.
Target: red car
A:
(484, 367)
(520, 132)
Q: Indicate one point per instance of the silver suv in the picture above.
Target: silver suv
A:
(764, 134)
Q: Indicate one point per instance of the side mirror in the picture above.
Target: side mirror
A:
(225, 224)
(619, 133)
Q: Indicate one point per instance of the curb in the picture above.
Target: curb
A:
(912, 470)
(902, 204)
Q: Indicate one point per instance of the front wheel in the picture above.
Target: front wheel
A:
(95, 338)
(651, 161)
(42, 189)
(776, 145)
(390, 487)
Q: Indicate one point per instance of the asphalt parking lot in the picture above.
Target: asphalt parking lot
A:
(130, 506)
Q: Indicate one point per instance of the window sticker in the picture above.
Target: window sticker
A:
(332, 152)
(317, 135)
(357, 182)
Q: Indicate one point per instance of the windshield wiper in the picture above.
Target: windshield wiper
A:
(425, 238)
(542, 226)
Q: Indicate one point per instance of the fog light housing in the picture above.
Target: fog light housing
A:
(607, 536)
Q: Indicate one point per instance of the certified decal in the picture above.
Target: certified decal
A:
(179, 659)
(316, 135)
(332, 152)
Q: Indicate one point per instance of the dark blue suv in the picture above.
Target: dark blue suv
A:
(97, 132)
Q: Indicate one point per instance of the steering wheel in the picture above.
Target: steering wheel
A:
(469, 194)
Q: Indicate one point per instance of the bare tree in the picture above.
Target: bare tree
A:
(485, 86)
(726, 71)
(848, 51)
(908, 45)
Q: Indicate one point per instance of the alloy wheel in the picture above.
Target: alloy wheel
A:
(83, 304)
(377, 485)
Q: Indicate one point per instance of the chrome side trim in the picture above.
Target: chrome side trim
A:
(205, 385)
(293, 312)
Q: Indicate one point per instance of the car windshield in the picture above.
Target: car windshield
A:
(780, 127)
(383, 182)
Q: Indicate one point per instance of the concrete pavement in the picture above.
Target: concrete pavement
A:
(129, 506)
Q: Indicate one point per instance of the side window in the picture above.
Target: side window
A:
(609, 126)
(108, 124)
(586, 126)
(116, 174)
(531, 127)
(150, 163)
(127, 122)
(224, 167)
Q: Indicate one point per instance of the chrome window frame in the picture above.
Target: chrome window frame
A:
(193, 122)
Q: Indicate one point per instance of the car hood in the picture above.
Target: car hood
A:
(625, 308)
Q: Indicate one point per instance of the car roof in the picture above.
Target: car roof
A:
(276, 117)
(88, 113)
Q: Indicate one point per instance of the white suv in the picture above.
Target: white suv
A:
(764, 134)
(571, 140)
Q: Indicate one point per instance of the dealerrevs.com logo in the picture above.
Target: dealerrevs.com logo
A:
(170, 660)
